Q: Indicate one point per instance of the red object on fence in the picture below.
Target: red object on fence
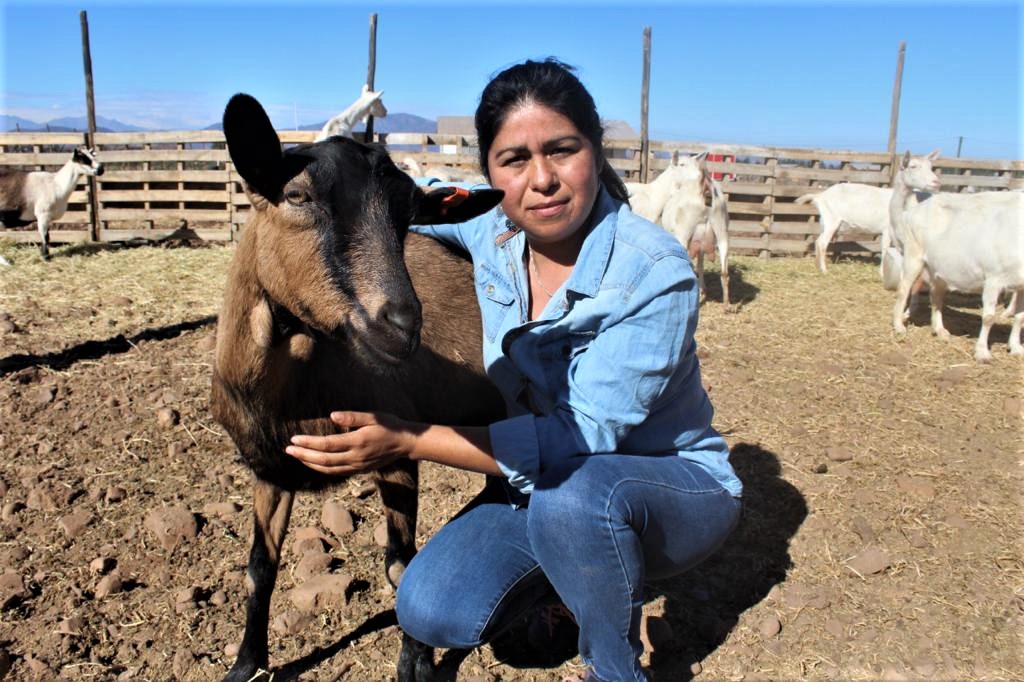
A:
(721, 157)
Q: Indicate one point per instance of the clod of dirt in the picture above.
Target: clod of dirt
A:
(75, 523)
(219, 598)
(12, 589)
(172, 526)
(862, 528)
(869, 561)
(920, 488)
(224, 510)
(321, 592)
(167, 417)
(122, 301)
(821, 468)
(291, 622)
(311, 564)
(41, 498)
(102, 565)
(8, 327)
(115, 494)
(310, 539)
(839, 454)
(43, 395)
(380, 534)
(337, 518)
(108, 585)
(769, 626)
(74, 625)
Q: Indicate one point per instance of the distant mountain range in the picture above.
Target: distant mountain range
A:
(405, 123)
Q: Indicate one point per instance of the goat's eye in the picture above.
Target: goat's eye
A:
(296, 196)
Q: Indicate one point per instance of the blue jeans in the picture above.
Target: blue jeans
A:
(596, 528)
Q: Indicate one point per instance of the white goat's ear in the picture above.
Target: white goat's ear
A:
(702, 157)
(934, 155)
(905, 161)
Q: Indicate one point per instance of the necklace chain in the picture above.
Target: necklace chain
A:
(536, 275)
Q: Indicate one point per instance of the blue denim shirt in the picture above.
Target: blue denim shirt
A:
(610, 366)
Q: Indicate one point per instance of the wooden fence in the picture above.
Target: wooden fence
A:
(156, 183)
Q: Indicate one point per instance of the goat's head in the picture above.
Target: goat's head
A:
(917, 172)
(86, 161)
(329, 220)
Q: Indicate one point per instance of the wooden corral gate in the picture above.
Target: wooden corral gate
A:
(158, 184)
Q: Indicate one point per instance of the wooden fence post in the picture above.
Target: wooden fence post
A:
(90, 135)
(894, 116)
(371, 71)
(645, 143)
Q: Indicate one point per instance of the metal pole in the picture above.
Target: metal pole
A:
(959, 146)
(645, 143)
(90, 135)
(371, 71)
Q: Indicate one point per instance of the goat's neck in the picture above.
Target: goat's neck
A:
(254, 336)
(66, 179)
(898, 202)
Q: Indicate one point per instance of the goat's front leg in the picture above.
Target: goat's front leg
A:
(989, 298)
(399, 490)
(938, 299)
(43, 225)
(272, 508)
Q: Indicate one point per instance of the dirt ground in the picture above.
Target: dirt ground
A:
(881, 536)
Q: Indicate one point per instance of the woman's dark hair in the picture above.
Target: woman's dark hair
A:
(552, 84)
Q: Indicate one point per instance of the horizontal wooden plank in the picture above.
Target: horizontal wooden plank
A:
(164, 176)
(221, 196)
(158, 137)
(41, 137)
(188, 214)
(130, 234)
(157, 155)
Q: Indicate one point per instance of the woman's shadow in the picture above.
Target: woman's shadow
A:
(703, 605)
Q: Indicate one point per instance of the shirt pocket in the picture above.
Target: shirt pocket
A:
(496, 299)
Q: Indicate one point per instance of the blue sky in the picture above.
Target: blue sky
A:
(790, 74)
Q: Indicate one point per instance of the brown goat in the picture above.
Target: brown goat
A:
(320, 314)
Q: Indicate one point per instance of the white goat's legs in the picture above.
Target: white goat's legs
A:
(989, 297)
(723, 263)
(913, 264)
(43, 224)
(829, 227)
(938, 298)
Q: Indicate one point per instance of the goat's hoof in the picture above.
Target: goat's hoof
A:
(1018, 352)
(984, 357)
(242, 672)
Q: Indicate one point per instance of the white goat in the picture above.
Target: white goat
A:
(859, 207)
(966, 242)
(368, 104)
(440, 173)
(42, 196)
(648, 199)
(697, 215)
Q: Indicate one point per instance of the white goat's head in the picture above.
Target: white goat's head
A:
(917, 172)
(86, 161)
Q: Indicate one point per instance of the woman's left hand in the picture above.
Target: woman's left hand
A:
(374, 440)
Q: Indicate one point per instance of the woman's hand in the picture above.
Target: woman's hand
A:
(374, 440)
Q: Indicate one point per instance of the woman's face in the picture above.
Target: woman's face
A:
(548, 171)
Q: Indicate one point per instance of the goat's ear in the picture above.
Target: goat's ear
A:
(934, 155)
(905, 161)
(253, 145)
(454, 204)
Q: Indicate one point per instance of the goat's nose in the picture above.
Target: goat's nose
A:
(99, 171)
(404, 317)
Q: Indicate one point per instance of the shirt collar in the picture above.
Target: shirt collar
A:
(595, 253)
